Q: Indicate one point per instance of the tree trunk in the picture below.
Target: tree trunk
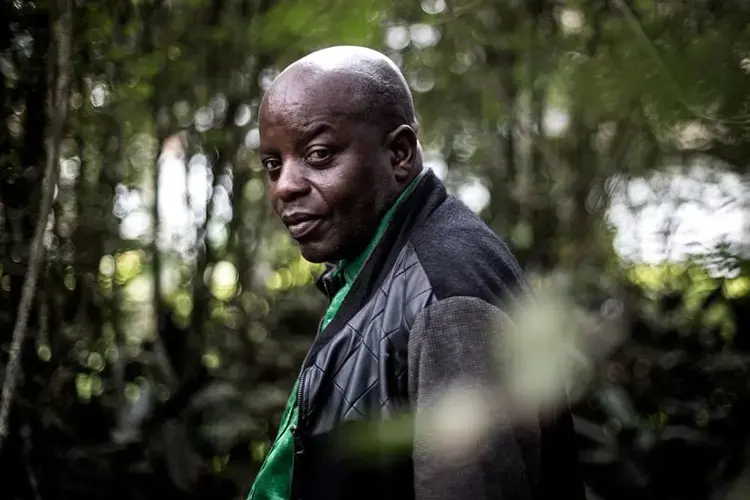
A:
(57, 109)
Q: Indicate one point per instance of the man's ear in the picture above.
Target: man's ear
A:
(402, 147)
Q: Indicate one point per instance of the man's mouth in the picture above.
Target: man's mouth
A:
(302, 225)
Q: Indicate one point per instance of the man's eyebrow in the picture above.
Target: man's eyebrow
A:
(316, 128)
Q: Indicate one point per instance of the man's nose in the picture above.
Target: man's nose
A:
(291, 183)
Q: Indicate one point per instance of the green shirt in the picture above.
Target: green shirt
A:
(273, 481)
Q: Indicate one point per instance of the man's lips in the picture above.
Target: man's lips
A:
(301, 225)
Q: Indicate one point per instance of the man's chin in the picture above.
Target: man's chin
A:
(316, 252)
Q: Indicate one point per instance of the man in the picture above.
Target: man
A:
(418, 282)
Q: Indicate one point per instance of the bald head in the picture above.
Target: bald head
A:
(338, 141)
(358, 81)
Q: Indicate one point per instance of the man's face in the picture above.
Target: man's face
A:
(329, 176)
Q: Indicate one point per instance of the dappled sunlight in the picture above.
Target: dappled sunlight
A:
(679, 213)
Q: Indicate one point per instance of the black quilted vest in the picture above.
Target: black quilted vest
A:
(356, 369)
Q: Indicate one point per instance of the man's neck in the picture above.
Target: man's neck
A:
(350, 267)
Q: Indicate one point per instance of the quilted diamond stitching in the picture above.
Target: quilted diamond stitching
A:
(361, 396)
(362, 337)
(349, 404)
(404, 290)
(352, 353)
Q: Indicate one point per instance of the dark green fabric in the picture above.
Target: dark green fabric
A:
(274, 479)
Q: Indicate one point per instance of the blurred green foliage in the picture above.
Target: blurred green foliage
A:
(170, 322)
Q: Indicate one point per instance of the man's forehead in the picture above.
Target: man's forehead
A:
(311, 93)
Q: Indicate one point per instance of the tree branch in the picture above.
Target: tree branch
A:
(58, 108)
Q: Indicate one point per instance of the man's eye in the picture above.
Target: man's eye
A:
(318, 155)
(271, 164)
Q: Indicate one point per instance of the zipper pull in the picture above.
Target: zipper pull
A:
(297, 465)
(298, 448)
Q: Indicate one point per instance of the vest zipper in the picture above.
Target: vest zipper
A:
(299, 449)
(298, 465)
(298, 430)
(300, 402)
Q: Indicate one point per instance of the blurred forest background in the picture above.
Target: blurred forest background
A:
(604, 139)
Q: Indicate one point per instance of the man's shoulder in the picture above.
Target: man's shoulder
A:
(462, 256)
